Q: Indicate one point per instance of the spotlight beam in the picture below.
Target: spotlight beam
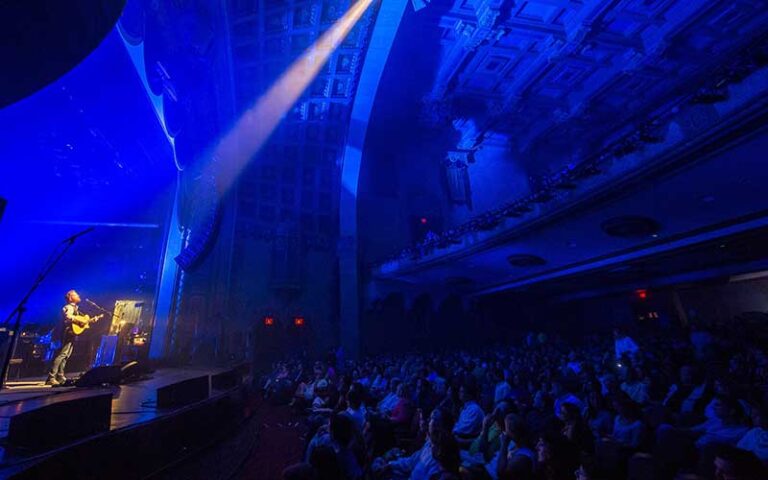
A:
(254, 127)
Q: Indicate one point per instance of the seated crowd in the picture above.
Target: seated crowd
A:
(684, 405)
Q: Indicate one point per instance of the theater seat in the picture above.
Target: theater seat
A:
(653, 416)
(641, 467)
(608, 455)
(406, 437)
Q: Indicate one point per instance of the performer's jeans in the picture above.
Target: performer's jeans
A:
(57, 370)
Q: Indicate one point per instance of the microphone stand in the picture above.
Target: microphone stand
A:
(103, 310)
(17, 312)
(100, 308)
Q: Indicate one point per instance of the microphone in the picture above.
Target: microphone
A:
(88, 300)
(74, 237)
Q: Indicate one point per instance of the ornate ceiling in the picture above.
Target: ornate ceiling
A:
(577, 94)
(554, 82)
(568, 73)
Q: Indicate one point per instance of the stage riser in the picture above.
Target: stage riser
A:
(60, 423)
(138, 451)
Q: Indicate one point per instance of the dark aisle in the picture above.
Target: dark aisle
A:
(271, 440)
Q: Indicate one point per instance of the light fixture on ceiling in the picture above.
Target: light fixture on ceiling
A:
(566, 185)
(523, 260)
(631, 226)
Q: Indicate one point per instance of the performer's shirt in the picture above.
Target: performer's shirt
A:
(68, 312)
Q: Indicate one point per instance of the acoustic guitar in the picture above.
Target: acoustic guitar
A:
(83, 323)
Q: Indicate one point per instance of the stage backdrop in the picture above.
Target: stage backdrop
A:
(86, 151)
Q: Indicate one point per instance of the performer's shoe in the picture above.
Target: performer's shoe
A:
(61, 379)
(52, 381)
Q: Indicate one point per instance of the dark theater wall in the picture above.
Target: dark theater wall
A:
(710, 304)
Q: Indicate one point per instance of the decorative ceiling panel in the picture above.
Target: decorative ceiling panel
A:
(596, 55)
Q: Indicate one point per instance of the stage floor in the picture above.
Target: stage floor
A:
(132, 404)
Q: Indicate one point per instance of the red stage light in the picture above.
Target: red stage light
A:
(269, 321)
(423, 220)
(642, 294)
(298, 321)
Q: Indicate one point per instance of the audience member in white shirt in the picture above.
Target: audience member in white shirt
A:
(636, 385)
(725, 428)
(562, 395)
(470, 421)
(355, 408)
(387, 404)
(379, 384)
(422, 464)
(624, 345)
(628, 429)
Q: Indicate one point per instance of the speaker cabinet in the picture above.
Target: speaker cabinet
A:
(95, 377)
(184, 392)
(227, 380)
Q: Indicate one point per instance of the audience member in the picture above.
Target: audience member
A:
(624, 347)
(422, 464)
(470, 422)
(726, 427)
(370, 415)
(515, 458)
(756, 439)
(628, 429)
(575, 429)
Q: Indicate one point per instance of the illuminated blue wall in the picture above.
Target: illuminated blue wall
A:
(85, 151)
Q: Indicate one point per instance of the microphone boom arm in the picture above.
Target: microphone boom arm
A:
(99, 307)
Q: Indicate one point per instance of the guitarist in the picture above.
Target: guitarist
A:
(70, 314)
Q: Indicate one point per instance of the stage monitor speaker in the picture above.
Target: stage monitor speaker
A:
(133, 371)
(60, 422)
(227, 380)
(95, 377)
(184, 392)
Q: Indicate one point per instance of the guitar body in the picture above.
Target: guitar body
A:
(85, 323)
